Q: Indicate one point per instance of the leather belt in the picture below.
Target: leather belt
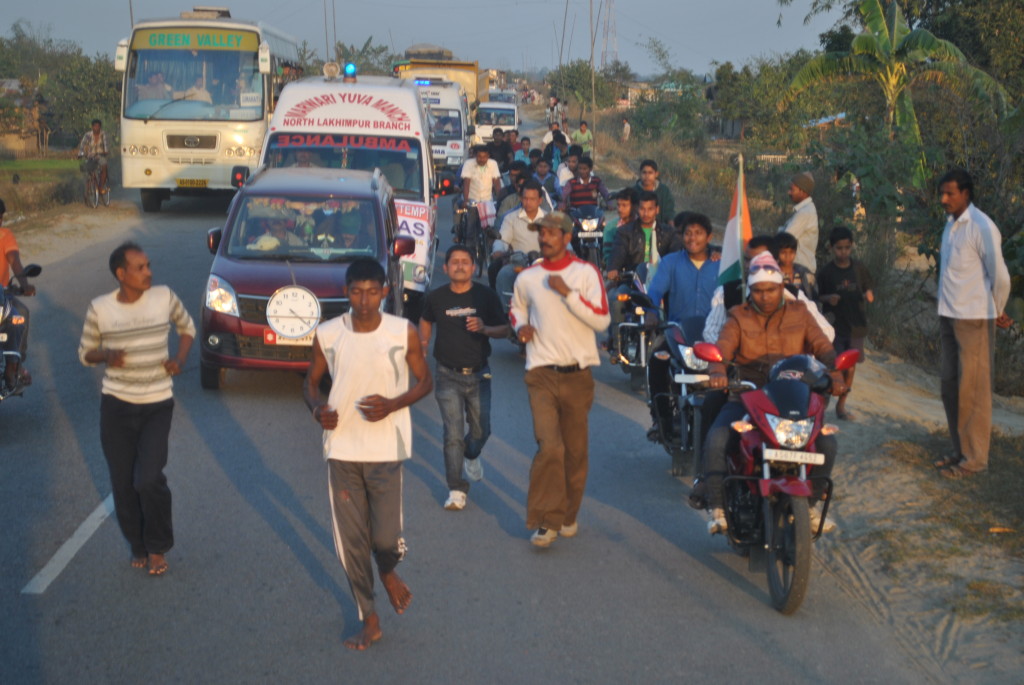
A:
(464, 371)
(572, 368)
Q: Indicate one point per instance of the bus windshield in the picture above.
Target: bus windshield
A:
(447, 124)
(400, 159)
(189, 74)
(304, 229)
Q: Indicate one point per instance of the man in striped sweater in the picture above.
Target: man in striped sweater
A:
(127, 331)
(557, 308)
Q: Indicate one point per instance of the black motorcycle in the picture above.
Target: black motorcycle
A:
(634, 335)
(588, 233)
(676, 383)
(8, 319)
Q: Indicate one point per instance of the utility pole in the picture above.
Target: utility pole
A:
(327, 38)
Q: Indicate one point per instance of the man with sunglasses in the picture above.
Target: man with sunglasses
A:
(756, 334)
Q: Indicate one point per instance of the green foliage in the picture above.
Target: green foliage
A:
(82, 90)
(369, 59)
(572, 82)
(618, 75)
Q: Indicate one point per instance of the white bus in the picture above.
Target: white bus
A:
(197, 95)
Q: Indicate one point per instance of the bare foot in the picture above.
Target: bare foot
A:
(139, 562)
(398, 591)
(367, 636)
(157, 565)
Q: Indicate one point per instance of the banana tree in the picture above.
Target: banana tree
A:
(894, 57)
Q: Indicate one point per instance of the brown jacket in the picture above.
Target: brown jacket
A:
(755, 342)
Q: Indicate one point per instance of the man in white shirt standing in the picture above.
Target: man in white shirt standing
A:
(803, 225)
(974, 286)
(367, 435)
(558, 307)
(127, 331)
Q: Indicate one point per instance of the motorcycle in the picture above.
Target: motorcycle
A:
(588, 233)
(518, 260)
(770, 475)
(633, 336)
(679, 408)
(8, 319)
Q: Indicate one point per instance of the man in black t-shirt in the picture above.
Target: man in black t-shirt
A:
(465, 314)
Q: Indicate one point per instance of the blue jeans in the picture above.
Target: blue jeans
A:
(463, 399)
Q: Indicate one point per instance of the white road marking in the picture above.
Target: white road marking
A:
(69, 549)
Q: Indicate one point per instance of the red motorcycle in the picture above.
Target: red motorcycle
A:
(770, 475)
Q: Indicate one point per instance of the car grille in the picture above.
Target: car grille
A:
(254, 309)
(191, 142)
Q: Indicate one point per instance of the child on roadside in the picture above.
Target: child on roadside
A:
(845, 285)
(795, 276)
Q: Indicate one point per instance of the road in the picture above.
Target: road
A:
(256, 594)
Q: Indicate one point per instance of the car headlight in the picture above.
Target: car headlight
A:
(588, 224)
(791, 434)
(691, 360)
(220, 296)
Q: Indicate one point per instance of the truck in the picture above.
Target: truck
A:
(433, 62)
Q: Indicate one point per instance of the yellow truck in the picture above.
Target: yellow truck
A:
(436, 63)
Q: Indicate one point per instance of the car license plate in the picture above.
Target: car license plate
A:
(192, 182)
(815, 458)
(590, 235)
(272, 338)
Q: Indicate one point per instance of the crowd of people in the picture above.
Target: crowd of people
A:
(558, 310)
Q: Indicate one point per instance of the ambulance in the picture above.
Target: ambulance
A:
(365, 123)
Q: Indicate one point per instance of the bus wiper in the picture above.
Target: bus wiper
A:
(161, 108)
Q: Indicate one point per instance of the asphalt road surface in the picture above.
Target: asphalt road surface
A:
(255, 593)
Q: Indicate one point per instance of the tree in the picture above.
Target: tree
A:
(894, 57)
(619, 75)
(574, 79)
(369, 59)
(83, 89)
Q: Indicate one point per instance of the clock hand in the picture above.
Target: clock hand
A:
(298, 316)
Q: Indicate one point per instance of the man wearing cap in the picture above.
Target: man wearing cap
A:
(758, 333)
(558, 306)
(803, 225)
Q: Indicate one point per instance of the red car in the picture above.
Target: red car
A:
(280, 262)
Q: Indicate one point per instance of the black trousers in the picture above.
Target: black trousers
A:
(134, 439)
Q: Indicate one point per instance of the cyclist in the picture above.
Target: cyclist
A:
(481, 182)
(94, 146)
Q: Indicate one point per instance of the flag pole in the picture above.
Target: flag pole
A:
(740, 199)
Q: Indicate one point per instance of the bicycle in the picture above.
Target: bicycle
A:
(475, 239)
(92, 194)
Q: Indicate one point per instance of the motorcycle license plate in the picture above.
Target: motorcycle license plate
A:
(813, 458)
(687, 378)
(590, 235)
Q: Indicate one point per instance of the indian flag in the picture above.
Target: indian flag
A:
(738, 233)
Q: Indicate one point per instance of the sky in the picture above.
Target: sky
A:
(503, 34)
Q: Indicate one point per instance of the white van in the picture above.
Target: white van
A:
(365, 123)
(492, 115)
(451, 128)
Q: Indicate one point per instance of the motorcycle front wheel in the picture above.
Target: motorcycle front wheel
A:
(788, 532)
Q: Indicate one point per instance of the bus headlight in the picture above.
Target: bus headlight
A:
(133, 149)
(220, 296)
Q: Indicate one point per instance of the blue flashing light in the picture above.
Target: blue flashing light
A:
(350, 69)
(422, 82)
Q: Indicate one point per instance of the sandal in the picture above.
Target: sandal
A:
(946, 462)
(956, 472)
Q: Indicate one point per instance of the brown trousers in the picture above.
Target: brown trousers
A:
(968, 354)
(560, 403)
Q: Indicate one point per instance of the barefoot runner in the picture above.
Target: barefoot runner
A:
(367, 435)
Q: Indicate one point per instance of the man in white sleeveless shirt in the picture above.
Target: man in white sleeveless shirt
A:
(367, 435)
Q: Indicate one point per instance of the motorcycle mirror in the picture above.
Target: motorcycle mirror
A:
(708, 352)
(847, 359)
(32, 270)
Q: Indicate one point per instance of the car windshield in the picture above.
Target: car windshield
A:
(189, 84)
(273, 227)
(495, 117)
(400, 159)
(447, 124)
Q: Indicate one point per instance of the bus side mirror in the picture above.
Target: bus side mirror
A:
(121, 55)
(264, 57)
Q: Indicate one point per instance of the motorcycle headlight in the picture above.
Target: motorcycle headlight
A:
(588, 224)
(691, 360)
(791, 434)
(220, 296)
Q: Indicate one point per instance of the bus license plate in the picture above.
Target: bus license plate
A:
(192, 182)
(814, 458)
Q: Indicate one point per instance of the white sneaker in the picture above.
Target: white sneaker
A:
(456, 501)
(474, 469)
(543, 537)
(569, 531)
(830, 524)
(717, 525)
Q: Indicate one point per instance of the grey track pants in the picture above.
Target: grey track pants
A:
(366, 513)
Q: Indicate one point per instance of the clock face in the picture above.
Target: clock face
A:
(293, 312)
